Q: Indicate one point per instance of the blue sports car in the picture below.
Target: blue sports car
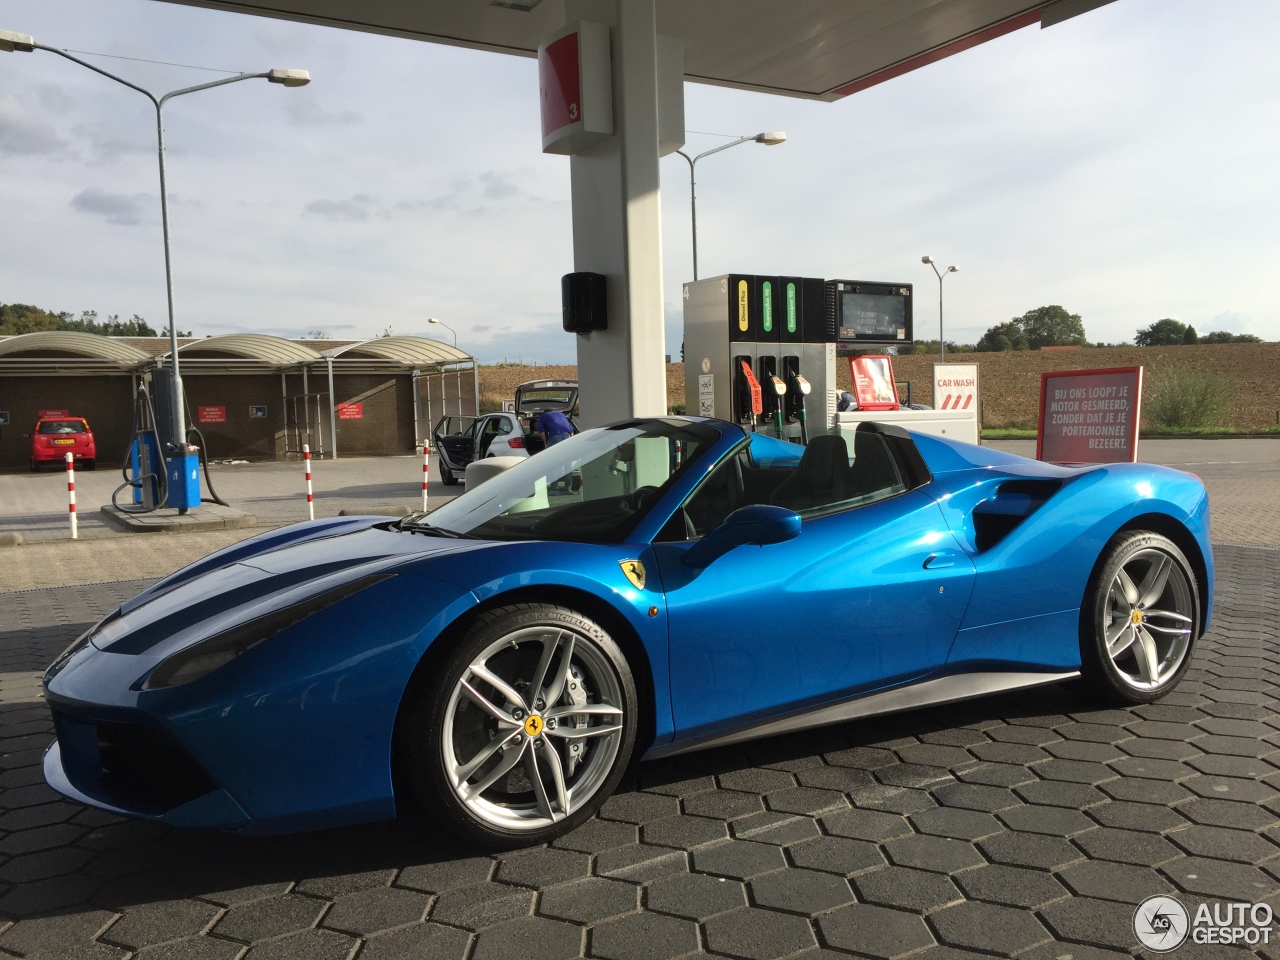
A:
(640, 590)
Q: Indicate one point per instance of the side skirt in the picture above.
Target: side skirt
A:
(960, 686)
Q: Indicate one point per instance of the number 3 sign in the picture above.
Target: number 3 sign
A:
(576, 89)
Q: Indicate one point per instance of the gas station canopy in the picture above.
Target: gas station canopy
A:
(815, 49)
(624, 60)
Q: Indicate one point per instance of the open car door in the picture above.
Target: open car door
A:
(454, 439)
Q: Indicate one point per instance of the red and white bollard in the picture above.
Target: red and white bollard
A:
(306, 459)
(71, 494)
(426, 473)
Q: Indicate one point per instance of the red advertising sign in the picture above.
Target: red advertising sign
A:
(873, 382)
(560, 83)
(1090, 416)
(211, 414)
(575, 88)
(44, 414)
(351, 411)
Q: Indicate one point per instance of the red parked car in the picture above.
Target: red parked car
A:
(53, 437)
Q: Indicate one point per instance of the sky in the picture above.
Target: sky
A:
(1122, 164)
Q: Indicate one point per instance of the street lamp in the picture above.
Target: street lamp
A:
(942, 347)
(447, 327)
(11, 42)
(769, 139)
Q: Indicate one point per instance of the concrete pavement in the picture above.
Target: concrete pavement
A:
(1023, 826)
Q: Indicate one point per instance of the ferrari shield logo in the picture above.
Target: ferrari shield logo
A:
(634, 571)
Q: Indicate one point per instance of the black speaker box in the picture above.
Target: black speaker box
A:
(582, 296)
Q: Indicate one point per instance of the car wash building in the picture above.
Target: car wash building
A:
(250, 396)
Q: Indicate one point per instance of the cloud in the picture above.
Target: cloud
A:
(120, 209)
(304, 112)
(1231, 320)
(107, 142)
(362, 207)
(359, 208)
(54, 99)
(497, 186)
(24, 135)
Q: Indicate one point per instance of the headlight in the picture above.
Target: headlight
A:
(208, 655)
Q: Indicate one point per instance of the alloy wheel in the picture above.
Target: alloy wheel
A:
(1148, 620)
(532, 728)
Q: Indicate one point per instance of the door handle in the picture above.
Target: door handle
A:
(943, 558)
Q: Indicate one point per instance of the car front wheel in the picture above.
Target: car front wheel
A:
(1141, 619)
(525, 730)
(447, 476)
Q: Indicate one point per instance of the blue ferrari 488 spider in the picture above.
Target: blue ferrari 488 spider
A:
(640, 590)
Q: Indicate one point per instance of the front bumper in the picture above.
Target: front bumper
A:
(133, 769)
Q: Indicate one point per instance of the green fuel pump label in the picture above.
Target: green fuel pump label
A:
(766, 299)
(744, 304)
(791, 308)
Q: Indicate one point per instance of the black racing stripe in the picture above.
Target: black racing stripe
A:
(146, 637)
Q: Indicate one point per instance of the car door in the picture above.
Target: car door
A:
(866, 596)
(455, 440)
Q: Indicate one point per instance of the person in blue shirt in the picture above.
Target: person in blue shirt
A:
(554, 426)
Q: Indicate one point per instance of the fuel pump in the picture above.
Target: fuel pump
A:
(161, 471)
(750, 401)
(797, 389)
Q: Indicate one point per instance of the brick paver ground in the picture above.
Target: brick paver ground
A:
(1023, 825)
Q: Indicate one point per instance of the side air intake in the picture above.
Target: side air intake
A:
(1014, 501)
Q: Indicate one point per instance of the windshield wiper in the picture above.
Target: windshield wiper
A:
(410, 525)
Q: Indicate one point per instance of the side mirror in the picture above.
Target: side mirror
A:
(758, 524)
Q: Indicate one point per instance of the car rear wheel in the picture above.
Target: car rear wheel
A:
(1141, 618)
(90, 464)
(447, 476)
(525, 730)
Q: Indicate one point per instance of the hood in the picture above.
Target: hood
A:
(239, 589)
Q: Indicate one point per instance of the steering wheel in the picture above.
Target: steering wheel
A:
(638, 498)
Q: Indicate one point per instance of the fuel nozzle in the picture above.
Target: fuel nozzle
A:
(774, 389)
(779, 391)
(798, 389)
(750, 400)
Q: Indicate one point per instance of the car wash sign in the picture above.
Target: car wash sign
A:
(955, 387)
(1090, 416)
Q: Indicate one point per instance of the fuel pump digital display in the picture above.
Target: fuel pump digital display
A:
(865, 316)
(869, 312)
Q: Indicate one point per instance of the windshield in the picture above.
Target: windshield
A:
(63, 426)
(592, 488)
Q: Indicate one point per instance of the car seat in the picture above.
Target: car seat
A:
(873, 468)
(820, 478)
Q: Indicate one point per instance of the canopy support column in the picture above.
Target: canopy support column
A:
(617, 225)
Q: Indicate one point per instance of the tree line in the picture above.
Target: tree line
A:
(1055, 326)
(19, 318)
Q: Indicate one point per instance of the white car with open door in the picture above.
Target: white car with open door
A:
(458, 440)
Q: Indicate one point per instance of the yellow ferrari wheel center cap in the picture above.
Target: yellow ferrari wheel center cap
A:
(533, 725)
(1136, 617)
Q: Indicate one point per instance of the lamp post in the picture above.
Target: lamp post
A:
(447, 327)
(19, 42)
(769, 138)
(942, 346)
